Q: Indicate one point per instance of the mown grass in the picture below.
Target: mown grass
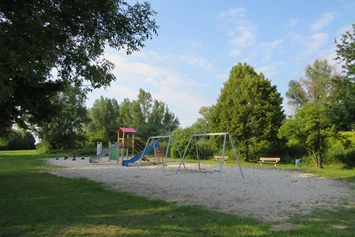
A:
(36, 203)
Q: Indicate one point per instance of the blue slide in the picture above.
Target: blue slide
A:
(138, 156)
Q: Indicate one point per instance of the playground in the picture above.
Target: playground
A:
(267, 194)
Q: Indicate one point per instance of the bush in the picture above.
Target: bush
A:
(43, 148)
(341, 150)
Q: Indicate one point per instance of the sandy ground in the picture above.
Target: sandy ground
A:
(264, 193)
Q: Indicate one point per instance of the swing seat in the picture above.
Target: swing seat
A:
(220, 157)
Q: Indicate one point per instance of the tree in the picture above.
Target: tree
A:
(344, 109)
(65, 130)
(316, 86)
(207, 145)
(161, 119)
(312, 124)
(125, 118)
(249, 108)
(346, 52)
(136, 114)
(145, 100)
(18, 139)
(68, 36)
(148, 116)
(104, 120)
(311, 128)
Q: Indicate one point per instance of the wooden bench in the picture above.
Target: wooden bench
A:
(220, 157)
(273, 160)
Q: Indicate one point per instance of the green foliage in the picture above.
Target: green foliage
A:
(65, 129)
(342, 150)
(316, 86)
(313, 124)
(18, 140)
(346, 51)
(70, 36)
(249, 108)
(208, 146)
(182, 137)
(104, 122)
(343, 112)
(148, 116)
(311, 129)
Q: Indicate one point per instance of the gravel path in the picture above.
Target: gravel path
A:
(264, 193)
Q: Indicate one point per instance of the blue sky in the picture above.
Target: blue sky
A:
(200, 41)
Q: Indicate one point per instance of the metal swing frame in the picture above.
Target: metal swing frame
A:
(225, 134)
(156, 138)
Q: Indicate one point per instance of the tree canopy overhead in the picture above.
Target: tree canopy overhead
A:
(69, 36)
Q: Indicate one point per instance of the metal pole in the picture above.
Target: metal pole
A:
(146, 145)
(198, 155)
(222, 160)
(236, 156)
(177, 147)
(155, 152)
(166, 154)
(183, 157)
(208, 134)
(154, 137)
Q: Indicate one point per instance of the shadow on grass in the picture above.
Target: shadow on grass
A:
(335, 222)
(41, 204)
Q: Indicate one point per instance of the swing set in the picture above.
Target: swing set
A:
(156, 140)
(196, 136)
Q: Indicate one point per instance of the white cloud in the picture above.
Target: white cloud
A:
(195, 61)
(222, 77)
(272, 44)
(271, 69)
(267, 48)
(244, 38)
(241, 31)
(179, 91)
(185, 104)
(344, 29)
(235, 52)
(323, 21)
(315, 42)
(233, 12)
(292, 22)
(294, 36)
(349, 6)
(308, 48)
(196, 45)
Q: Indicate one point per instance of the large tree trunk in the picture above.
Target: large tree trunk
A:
(318, 159)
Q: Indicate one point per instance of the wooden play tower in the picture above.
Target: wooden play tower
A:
(126, 137)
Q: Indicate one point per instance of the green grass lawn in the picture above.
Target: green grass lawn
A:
(36, 203)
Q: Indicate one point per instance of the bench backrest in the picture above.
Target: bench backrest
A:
(270, 158)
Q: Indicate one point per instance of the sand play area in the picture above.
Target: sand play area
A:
(268, 194)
